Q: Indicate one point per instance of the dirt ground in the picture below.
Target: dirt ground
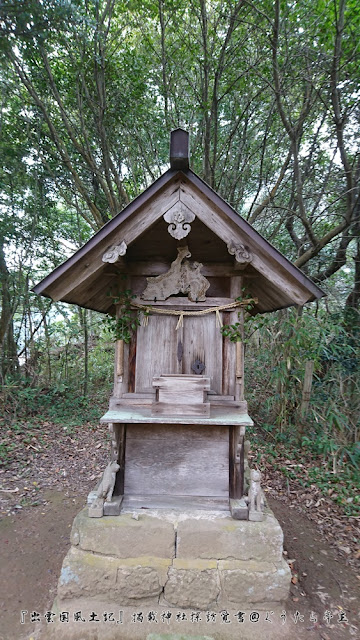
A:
(40, 496)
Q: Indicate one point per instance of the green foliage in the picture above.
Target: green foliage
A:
(128, 319)
(61, 405)
(275, 373)
(236, 332)
(308, 466)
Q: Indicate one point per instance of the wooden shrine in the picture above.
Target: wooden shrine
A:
(178, 414)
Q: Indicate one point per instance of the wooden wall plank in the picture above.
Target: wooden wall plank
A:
(154, 267)
(177, 460)
(203, 341)
(236, 283)
(156, 351)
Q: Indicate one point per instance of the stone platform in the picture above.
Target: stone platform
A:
(202, 560)
(195, 561)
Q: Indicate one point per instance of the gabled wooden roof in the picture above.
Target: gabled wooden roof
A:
(84, 279)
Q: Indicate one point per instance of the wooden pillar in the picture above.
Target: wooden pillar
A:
(236, 466)
(228, 381)
(118, 437)
(120, 364)
(238, 506)
(119, 368)
(236, 292)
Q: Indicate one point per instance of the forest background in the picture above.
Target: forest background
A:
(269, 91)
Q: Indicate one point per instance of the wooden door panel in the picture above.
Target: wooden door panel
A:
(155, 351)
(203, 341)
(177, 460)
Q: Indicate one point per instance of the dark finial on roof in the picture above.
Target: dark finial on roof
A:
(179, 149)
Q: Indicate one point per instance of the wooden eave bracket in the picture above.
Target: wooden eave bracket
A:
(114, 252)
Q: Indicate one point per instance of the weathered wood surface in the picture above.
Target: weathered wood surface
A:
(121, 363)
(228, 380)
(180, 349)
(186, 386)
(181, 395)
(219, 416)
(131, 369)
(120, 358)
(242, 255)
(153, 267)
(203, 341)
(184, 409)
(236, 284)
(84, 278)
(156, 351)
(186, 304)
(118, 432)
(212, 216)
(177, 460)
(112, 254)
(175, 503)
(129, 230)
(182, 277)
(236, 462)
(133, 399)
(157, 245)
(306, 392)
(179, 218)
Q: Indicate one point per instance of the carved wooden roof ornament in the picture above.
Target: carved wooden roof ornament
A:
(242, 255)
(183, 277)
(115, 252)
(179, 194)
(179, 218)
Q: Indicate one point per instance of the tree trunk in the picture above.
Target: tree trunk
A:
(8, 348)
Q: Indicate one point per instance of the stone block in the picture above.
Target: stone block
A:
(256, 516)
(190, 588)
(113, 507)
(89, 575)
(239, 509)
(255, 582)
(137, 582)
(84, 574)
(197, 564)
(175, 636)
(96, 508)
(225, 538)
(123, 536)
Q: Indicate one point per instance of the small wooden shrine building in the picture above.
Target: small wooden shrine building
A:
(178, 413)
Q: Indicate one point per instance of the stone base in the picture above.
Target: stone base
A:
(127, 624)
(197, 560)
